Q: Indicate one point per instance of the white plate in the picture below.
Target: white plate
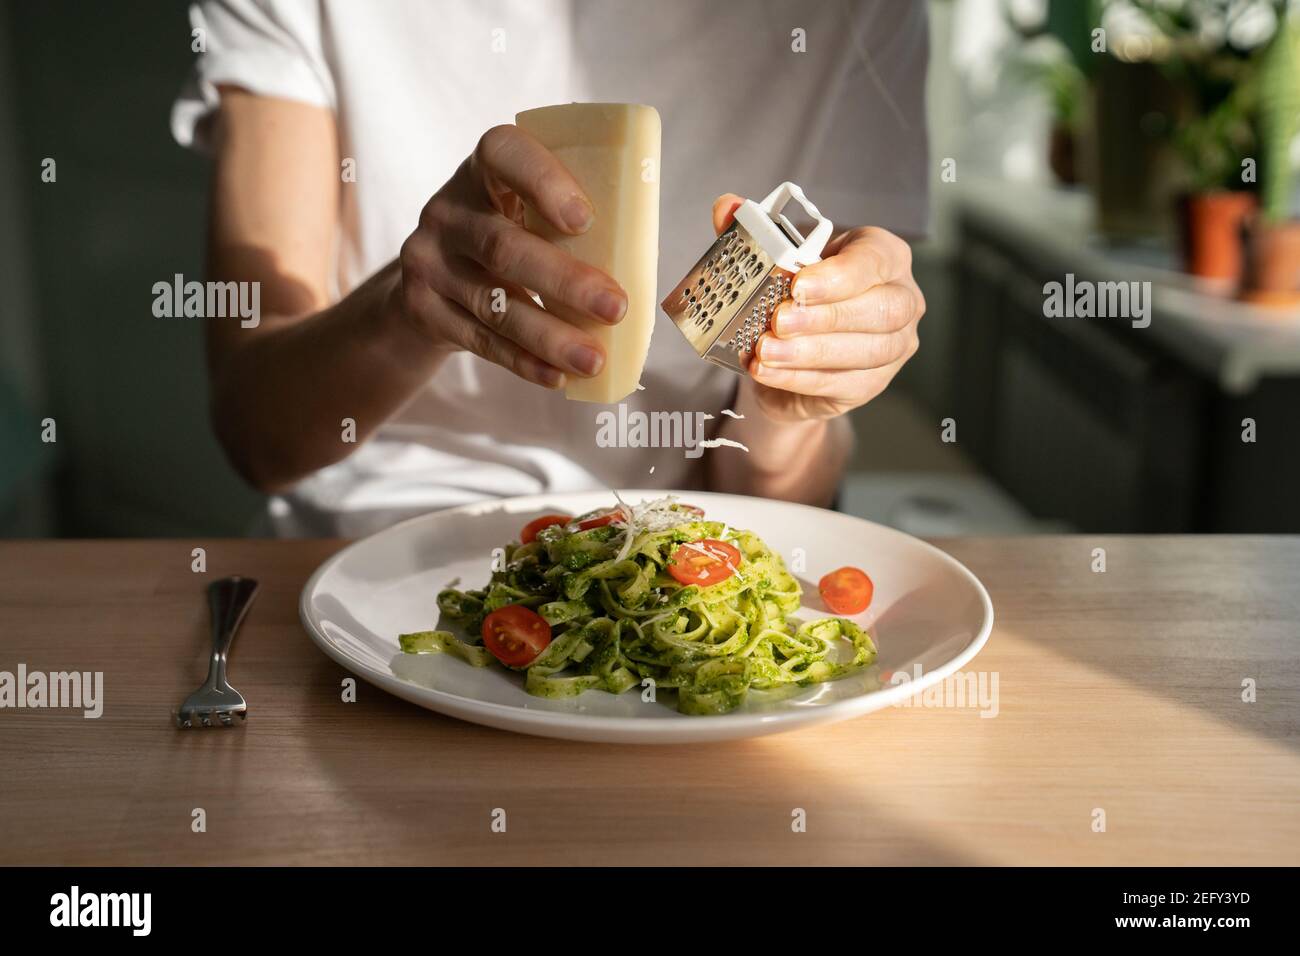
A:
(928, 610)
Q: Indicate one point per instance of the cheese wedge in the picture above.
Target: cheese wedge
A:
(612, 149)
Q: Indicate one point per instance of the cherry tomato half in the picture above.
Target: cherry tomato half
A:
(537, 524)
(515, 635)
(693, 509)
(846, 591)
(599, 521)
(706, 562)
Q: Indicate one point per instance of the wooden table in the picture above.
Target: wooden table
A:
(1118, 691)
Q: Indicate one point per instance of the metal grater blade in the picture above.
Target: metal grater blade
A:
(727, 300)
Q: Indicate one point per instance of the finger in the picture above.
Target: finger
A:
(466, 332)
(516, 255)
(865, 259)
(856, 387)
(724, 211)
(836, 350)
(516, 159)
(886, 308)
(507, 310)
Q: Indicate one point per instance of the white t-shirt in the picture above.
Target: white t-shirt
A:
(827, 93)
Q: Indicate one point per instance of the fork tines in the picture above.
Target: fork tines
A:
(188, 719)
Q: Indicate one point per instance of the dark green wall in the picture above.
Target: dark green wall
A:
(91, 85)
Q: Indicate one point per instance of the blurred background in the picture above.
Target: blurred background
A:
(1108, 140)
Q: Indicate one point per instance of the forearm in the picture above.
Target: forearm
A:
(792, 461)
(280, 398)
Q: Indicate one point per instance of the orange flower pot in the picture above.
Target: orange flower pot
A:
(1213, 224)
(1273, 265)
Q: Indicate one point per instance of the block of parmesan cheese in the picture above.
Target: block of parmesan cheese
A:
(612, 149)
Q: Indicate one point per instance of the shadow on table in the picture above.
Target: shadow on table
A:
(431, 784)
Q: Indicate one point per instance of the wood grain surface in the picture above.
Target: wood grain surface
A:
(1118, 691)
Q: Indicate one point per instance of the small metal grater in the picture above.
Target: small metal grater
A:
(727, 300)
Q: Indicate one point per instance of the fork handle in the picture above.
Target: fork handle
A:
(228, 602)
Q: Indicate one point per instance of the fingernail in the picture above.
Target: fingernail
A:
(584, 359)
(791, 318)
(578, 214)
(806, 289)
(773, 349)
(551, 376)
(609, 306)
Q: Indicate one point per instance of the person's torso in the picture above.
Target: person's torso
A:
(417, 83)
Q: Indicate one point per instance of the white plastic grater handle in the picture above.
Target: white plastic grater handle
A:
(758, 220)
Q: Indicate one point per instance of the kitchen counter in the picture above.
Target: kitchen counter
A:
(1170, 419)
(1232, 343)
(1119, 733)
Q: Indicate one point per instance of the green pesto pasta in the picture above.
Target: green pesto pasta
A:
(617, 616)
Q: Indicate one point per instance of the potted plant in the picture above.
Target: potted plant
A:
(1213, 57)
(1216, 207)
(1067, 91)
(1273, 247)
(1057, 57)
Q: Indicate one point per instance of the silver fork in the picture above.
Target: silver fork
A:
(216, 703)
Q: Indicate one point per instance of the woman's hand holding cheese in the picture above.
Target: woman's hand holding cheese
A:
(276, 192)
(468, 268)
(850, 327)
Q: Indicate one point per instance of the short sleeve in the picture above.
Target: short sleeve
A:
(267, 47)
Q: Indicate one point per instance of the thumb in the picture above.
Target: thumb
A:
(724, 210)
